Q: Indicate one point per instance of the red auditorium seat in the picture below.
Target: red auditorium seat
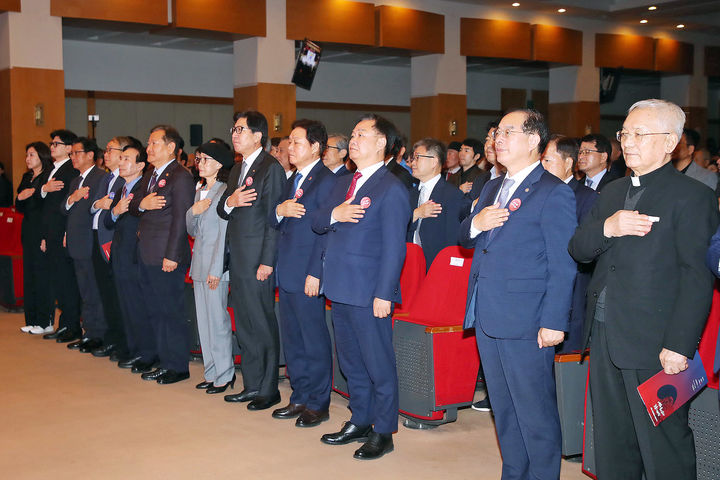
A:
(437, 361)
(708, 341)
(11, 253)
(411, 277)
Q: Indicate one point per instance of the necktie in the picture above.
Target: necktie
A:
(421, 200)
(124, 192)
(296, 183)
(153, 182)
(110, 182)
(588, 182)
(243, 171)
(505, 191)
(351, 190)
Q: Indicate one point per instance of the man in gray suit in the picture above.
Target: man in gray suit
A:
(682, 158)
(253, 190)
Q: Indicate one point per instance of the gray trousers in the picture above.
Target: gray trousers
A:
(213, 321)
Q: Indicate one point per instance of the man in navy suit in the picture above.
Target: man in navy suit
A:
(305, 337)
(713, 263)
(519, 294)
(365, 220)
(335, 155)
(560, 157)
(438, 206)
(166, 192)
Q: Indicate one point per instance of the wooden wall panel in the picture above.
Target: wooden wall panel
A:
(9, 5)
(557, 44)
(409, 29)
(21, 89)
(511, 98)
(242, 17)
(697, 119)
(674, 57)
(269, 99)
(154, 12)
(331, 21)
(431, 117)
(540, 100)
(628, 51)
(712, 61)
(574, 119)
(481, 37)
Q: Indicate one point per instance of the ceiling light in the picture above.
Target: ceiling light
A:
(516, 4)
(561, 10)
(652, 7)
(643, 21)
(680, 26)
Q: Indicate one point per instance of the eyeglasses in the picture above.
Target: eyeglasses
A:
(336, 148)
(114, 148)
(625, 136)
(55, 144)
(238, 130)
(199, 160)
(417, 156)
(504, 133)
(77, 152)
(587, 152)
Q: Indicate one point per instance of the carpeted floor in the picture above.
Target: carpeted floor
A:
(67, 415)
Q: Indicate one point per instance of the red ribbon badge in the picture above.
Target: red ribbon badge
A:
(365, 202)
(514, 204)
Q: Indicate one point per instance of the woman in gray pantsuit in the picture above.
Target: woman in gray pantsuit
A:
(210, 283)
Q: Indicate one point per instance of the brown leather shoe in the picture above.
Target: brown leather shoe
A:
(311, 418)
(292, 410)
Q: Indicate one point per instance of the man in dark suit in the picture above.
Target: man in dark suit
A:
(79, 240)
(62, 281)
(336, 154)
(560, 158)
(253, 190)
(166, 192)
(519, 294)
(305, 337)
(713, 263)
(141, 346)
(594, 161)
(649, 295)
(496, 169)
(470, 152)
(114, 339)
(395, 156)
(365, 221)
(438, 207)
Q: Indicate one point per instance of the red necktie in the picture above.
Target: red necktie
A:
(351, 190)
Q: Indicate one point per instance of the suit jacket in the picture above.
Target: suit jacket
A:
(125, 230)
(658, 289)
(702, 175)
(363, 260)
(713, 263)
(523, 276)
(443, 230)
(54, 221)
(209, 232)
(342, 171)
(105, 234)
(402, 174)
(609, 176)
(478, 185)
(6, 195)
(79, 222)
(162, 232)
(584, 198)
(31, 208)
(462, 176)
(300, 249)
(250, 238)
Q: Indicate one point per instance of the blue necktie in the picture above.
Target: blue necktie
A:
(296, 183)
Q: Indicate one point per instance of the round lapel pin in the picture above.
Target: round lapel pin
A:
(248, 182)
(162, 183)
(130, 196)
(365, 202)
(514, 204)
(299, 193)
(111, 195)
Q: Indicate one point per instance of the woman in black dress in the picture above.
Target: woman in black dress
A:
(39, 311)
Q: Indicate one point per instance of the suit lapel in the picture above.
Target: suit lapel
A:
(525, 189)
(372, 181)
(311, 180)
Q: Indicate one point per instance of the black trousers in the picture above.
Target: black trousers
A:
(626, 442)
(65, 286)
(115, 333)
(38, 301)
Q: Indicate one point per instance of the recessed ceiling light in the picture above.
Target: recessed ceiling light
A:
(516, 4)
(643, 21)
(652, 7)
(561, 10)
(680, 26)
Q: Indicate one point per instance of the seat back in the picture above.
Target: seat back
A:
(411, 277)
(10, 228)
(440, 300)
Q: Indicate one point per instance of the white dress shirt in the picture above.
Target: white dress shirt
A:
(57, 166)
(246, 164)
(366, 172)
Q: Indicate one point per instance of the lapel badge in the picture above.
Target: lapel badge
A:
(365, 202)
(299, 193)
(248, 181)
(161, 183)
(514, 204)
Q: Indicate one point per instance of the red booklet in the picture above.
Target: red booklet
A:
(662, 394)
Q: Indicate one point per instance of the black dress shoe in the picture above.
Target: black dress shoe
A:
(172, 376)
(377, 445)
(311, 418)
(117, 356)
(263, 403)
(212, 389)
(154, 374)
(128, 362)
(68, 337)
(103, 350)
(292, 410)
(204, 385)
(348, 433)
(91, 345)
(77, 343)
(244, 396)
(143, 367)
(54, 335)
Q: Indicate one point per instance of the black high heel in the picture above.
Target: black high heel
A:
(213, 389)
(204, 385)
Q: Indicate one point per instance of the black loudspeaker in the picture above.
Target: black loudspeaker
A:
(195, 135)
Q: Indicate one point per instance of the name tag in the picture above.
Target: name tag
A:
(457, 261)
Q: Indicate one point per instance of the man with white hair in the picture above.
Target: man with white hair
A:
(649, 295)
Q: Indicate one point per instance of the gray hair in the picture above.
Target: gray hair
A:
(672, 115)
(342, 140)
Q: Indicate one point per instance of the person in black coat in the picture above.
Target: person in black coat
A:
(6, 198)
(39, 311)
